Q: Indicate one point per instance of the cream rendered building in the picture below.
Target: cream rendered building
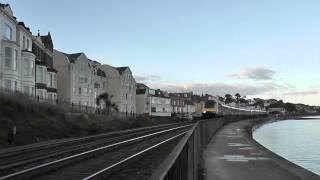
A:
(99, 82)
(122, 87)
(75, 78)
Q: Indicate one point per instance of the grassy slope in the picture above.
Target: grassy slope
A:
(36, 122)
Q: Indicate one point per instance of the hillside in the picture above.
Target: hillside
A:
(40, 122)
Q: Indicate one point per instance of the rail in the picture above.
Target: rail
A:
(91, 152)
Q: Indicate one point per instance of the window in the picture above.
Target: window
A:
(16, 86)
(8, 57)
(41, 75)
(26, 68)
(79, 91)
(23, 42)
(8, 32)
(50, 80)
(7, 84)
(83, 79)
(55, 81)
(26, 89)
(15, 59)
(153, 109)
(28, 44)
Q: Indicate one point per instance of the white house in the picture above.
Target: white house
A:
(75, 78)
(189, 107)
(121, 86)
(143, 105)
(17, 62)
(160, 103)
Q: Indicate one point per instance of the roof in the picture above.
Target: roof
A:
(122, 69)
(101, 73)
(73, 57)
(24, 26)
(47, 41)
(94, 62)
(159, 93)
(141, 86)
(140, 91)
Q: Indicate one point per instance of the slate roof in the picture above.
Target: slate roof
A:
(73, 57)
(101, 73)
(4, 5)
(141, 86)
(140, 91)
(24, 26)
(159, 93)
(121, 69)
(47, 41)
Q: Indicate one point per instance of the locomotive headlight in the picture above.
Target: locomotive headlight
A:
(204, 111)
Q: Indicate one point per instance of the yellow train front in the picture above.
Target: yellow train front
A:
(209, 109)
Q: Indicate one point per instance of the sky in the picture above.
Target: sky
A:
(265, 48)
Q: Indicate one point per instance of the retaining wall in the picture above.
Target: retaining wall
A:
(184, 162)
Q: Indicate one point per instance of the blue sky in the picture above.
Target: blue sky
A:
(266, 48)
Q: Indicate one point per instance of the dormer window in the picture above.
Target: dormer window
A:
(8, 32)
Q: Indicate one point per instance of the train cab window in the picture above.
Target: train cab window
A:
(210, 104)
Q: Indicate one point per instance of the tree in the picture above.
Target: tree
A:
(107, 102)
(243, 101)
(238, 96)
(258, 102)
(221, 98)
(290, 107)
(228, 98)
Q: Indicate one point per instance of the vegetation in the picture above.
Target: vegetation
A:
(40, 122)
(106, 99)
(237, 96)
(228, 98)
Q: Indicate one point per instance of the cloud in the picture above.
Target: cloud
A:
(220, 88)
(302, 93)
(256, 73)
(146, 78)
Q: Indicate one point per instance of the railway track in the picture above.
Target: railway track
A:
(86, 158)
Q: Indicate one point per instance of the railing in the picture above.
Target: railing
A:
(184, 162)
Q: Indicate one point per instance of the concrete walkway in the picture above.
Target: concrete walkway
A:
(233, 155)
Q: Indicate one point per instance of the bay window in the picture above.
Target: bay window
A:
(15, 59)
(7, 84)
(7, 57)
(41, 74)
(27, 68)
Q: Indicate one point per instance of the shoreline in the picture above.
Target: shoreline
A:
(233, 154)
(297, 170)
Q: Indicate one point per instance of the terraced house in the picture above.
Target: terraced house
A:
(46, 75)
(75, 78)
(17, 62)
(122, 87)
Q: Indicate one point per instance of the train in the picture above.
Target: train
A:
(212, 108)
(209, 109)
